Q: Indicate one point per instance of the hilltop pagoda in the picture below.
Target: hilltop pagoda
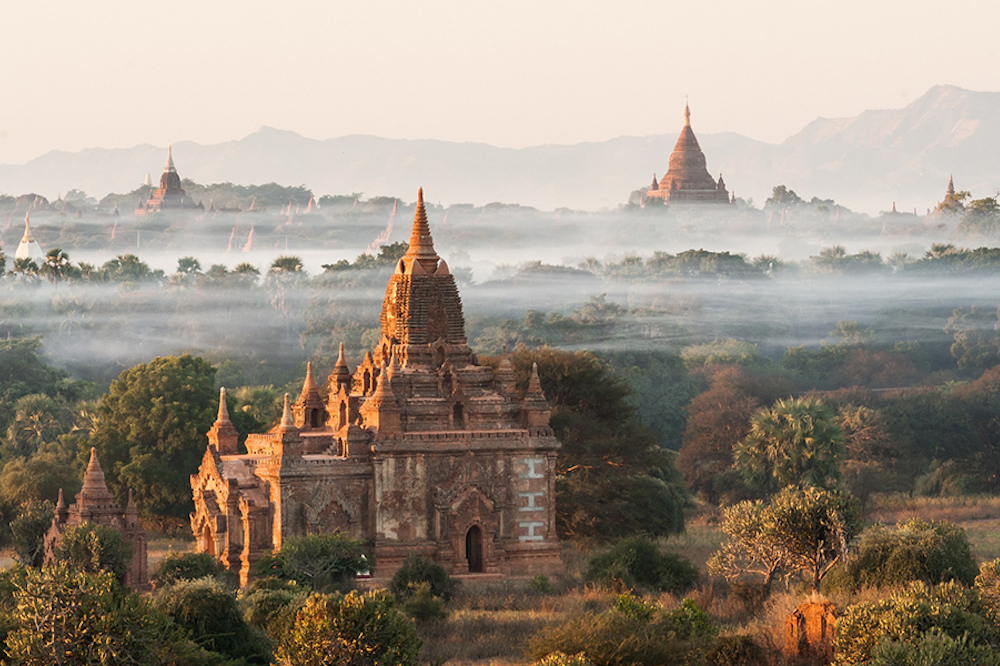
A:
(687, 179)
(420, 451)
(169, 195)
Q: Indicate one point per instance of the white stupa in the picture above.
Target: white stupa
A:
(29, 248)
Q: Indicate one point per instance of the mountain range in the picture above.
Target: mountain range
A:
(867, 163)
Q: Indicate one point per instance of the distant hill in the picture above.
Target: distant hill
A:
(866, 163)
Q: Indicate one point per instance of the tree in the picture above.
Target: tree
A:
(795, 441)
(782, 196)
(637, 563)
(612, 478)
(57, 266)
(349, 630)
(323, 562)
(210, 616)
(803, 531)
(76, 618)
(717, 419)
(151, 431)
(93, 548)
(37, 419)
(933, 551)
(34, 518)
(128, 269)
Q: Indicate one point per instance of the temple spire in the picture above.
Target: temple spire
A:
(421, 244)
(309, 384)
(223, 416)
(687, 113)
(951, 186)
(27, 238)
(287, 422)
(170, 159)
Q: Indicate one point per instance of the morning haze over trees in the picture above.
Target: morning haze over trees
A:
(739, 428)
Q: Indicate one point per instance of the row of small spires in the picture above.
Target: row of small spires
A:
(381, 391)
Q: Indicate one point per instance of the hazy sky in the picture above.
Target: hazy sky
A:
(115, 73)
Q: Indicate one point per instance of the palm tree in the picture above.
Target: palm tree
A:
(56, 267)
(793, 442)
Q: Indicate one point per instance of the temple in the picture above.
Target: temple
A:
(687, 179)
(420, 450)
(95, 504)
(29, 248)
(169, 195)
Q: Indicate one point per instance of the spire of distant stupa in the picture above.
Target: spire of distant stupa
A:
(309, 384)
(94, 486)
(655, 185)
(687, 113)
(170, 159)
(951, 186)
(28, 248)
(421, 243)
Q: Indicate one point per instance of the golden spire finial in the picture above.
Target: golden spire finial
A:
(170, 158)
(687, 112)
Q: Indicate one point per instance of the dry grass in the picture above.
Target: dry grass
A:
(159, 547)
(891, 509)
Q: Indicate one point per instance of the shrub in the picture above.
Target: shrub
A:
(93, 548)
(34, 518)
(933, 648)
(263, 608)
(349, 630)
(324, 562)
(540, 584)
(933, 551)
(417, 570)
(917, 609)
(633, 632)
(189, 566)
(209, 614)
(636, 562)
(740, 650)
(422, 605)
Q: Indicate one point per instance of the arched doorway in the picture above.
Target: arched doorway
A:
(209, 541)
(474, 549)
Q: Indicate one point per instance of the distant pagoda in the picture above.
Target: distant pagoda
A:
(28, 248)
(687, 179)
(169, 195)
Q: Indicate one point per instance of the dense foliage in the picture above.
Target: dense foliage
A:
(637, 563)
(322, 562)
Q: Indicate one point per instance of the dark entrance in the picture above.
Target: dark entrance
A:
(474, 549)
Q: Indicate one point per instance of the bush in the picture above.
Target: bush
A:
(633, 632)
(34, 518)
(423, 606)
(931, 551)
(210, 616)
(636, 563)
(737, 650)
(933, 648)
(189, 566)
(264, 608)
(540, 584)
(324, 562)
(93, 548)
(349, 630)
(949, 608)
(417, 570)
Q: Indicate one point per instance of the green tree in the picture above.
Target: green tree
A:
(908, 615)
(33, 520)
(210, 616)
(37, 419)
(613, 480)
(795, 441)
(70, 617)
(151, 430)
(801, 531)
(349, 630)
(636, 562)
(128, 269)
(93, 548)
(323, 562)
(57, 266)
(916, 549)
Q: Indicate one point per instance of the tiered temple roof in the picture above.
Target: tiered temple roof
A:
(169, 195)
(687, 179)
